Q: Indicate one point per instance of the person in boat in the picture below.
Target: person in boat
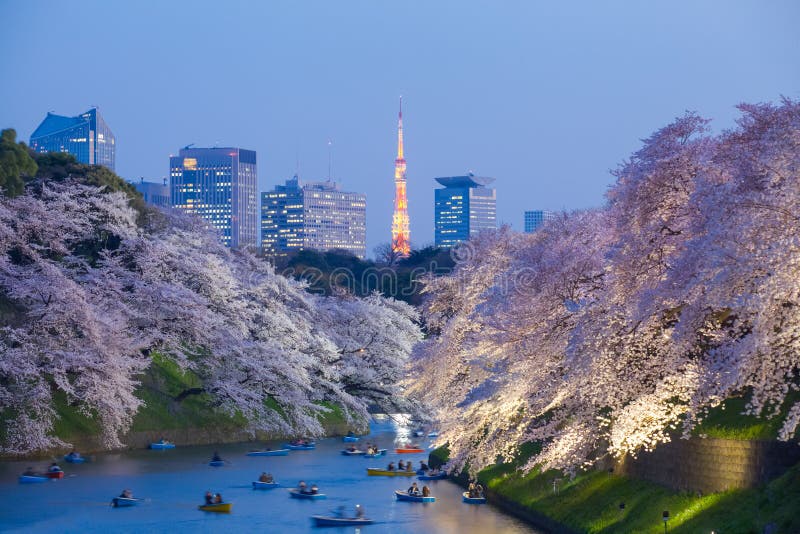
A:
(479, 490)
(218, 498)
(409, 466)
(401, 465)
(390, 467)
(302, 486)
(471, 489)
(426, 491)
(314, 489)
(350, 434)
(339, 512)
(54, 468)
(359, 511)
(413, 490)
(209, 498)
(423, 466)
(216, 457)
(352, 448)
(263, 478)
(126, 494)
(74, 455)
(29, 472)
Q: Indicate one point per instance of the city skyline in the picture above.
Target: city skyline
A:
(554, 79)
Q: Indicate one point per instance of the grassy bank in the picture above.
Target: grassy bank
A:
(190, 420)
(590, 502)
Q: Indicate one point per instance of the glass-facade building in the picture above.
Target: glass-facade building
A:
(536, 218)
(87, 137)
(219, 185)
(464, 207)
(155, 193)
(314, 215)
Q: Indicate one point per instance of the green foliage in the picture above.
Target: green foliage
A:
(58, 166)
(727, 421)
(337, 271)
(590, 502)
(16, 164)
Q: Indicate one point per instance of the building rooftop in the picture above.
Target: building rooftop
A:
(56, 123)
(470, 180)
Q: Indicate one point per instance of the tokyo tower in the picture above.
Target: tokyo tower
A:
(401, 242)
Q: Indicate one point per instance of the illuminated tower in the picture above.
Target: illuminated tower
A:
(401, 243)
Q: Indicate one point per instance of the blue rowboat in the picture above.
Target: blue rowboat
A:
(350, 439)
(404, 496)
(159, 446)
(216, 463)
(472, 500)
(297, 494)
(265, 485)
(72, 459)
(433, 434)
(440, 476)
(122, 502)
(353, 453)
(310, 447)
(277, 452)
(327, 521)
(32, 479)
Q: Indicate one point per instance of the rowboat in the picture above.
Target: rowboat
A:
(353, 453)
(222, 507)
(216, 463)
(75, 459)
(381, 452)
(350, 439)
(277, 452)
(404, 496)
(409, 451)
(310, 447)
(440, 476)
(32, 479)
(327, 521)
(375, 471)
(161, 445)
(264, 485)
(297, 494)
(472, 500)
(433, 434)
(54, 474)
(121, 502)
(418, 433)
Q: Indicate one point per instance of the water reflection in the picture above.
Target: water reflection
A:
(173, 483)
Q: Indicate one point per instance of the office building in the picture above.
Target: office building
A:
(534, 219)
(464, 207)
(219, 185)
(314, 215)
(155, 193)
(87, 137)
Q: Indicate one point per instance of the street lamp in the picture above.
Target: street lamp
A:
(665, 518)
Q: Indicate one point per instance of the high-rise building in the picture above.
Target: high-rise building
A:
(87, 137)
(155, 193)
(219, 185)
(464, 207)
(314, 215)
(534, 219)
(401, 234)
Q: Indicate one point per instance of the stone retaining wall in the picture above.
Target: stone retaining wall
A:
(711, 465)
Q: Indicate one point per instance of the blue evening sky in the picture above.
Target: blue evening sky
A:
(544, 96)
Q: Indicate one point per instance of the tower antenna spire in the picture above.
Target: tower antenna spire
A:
(401, 243)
